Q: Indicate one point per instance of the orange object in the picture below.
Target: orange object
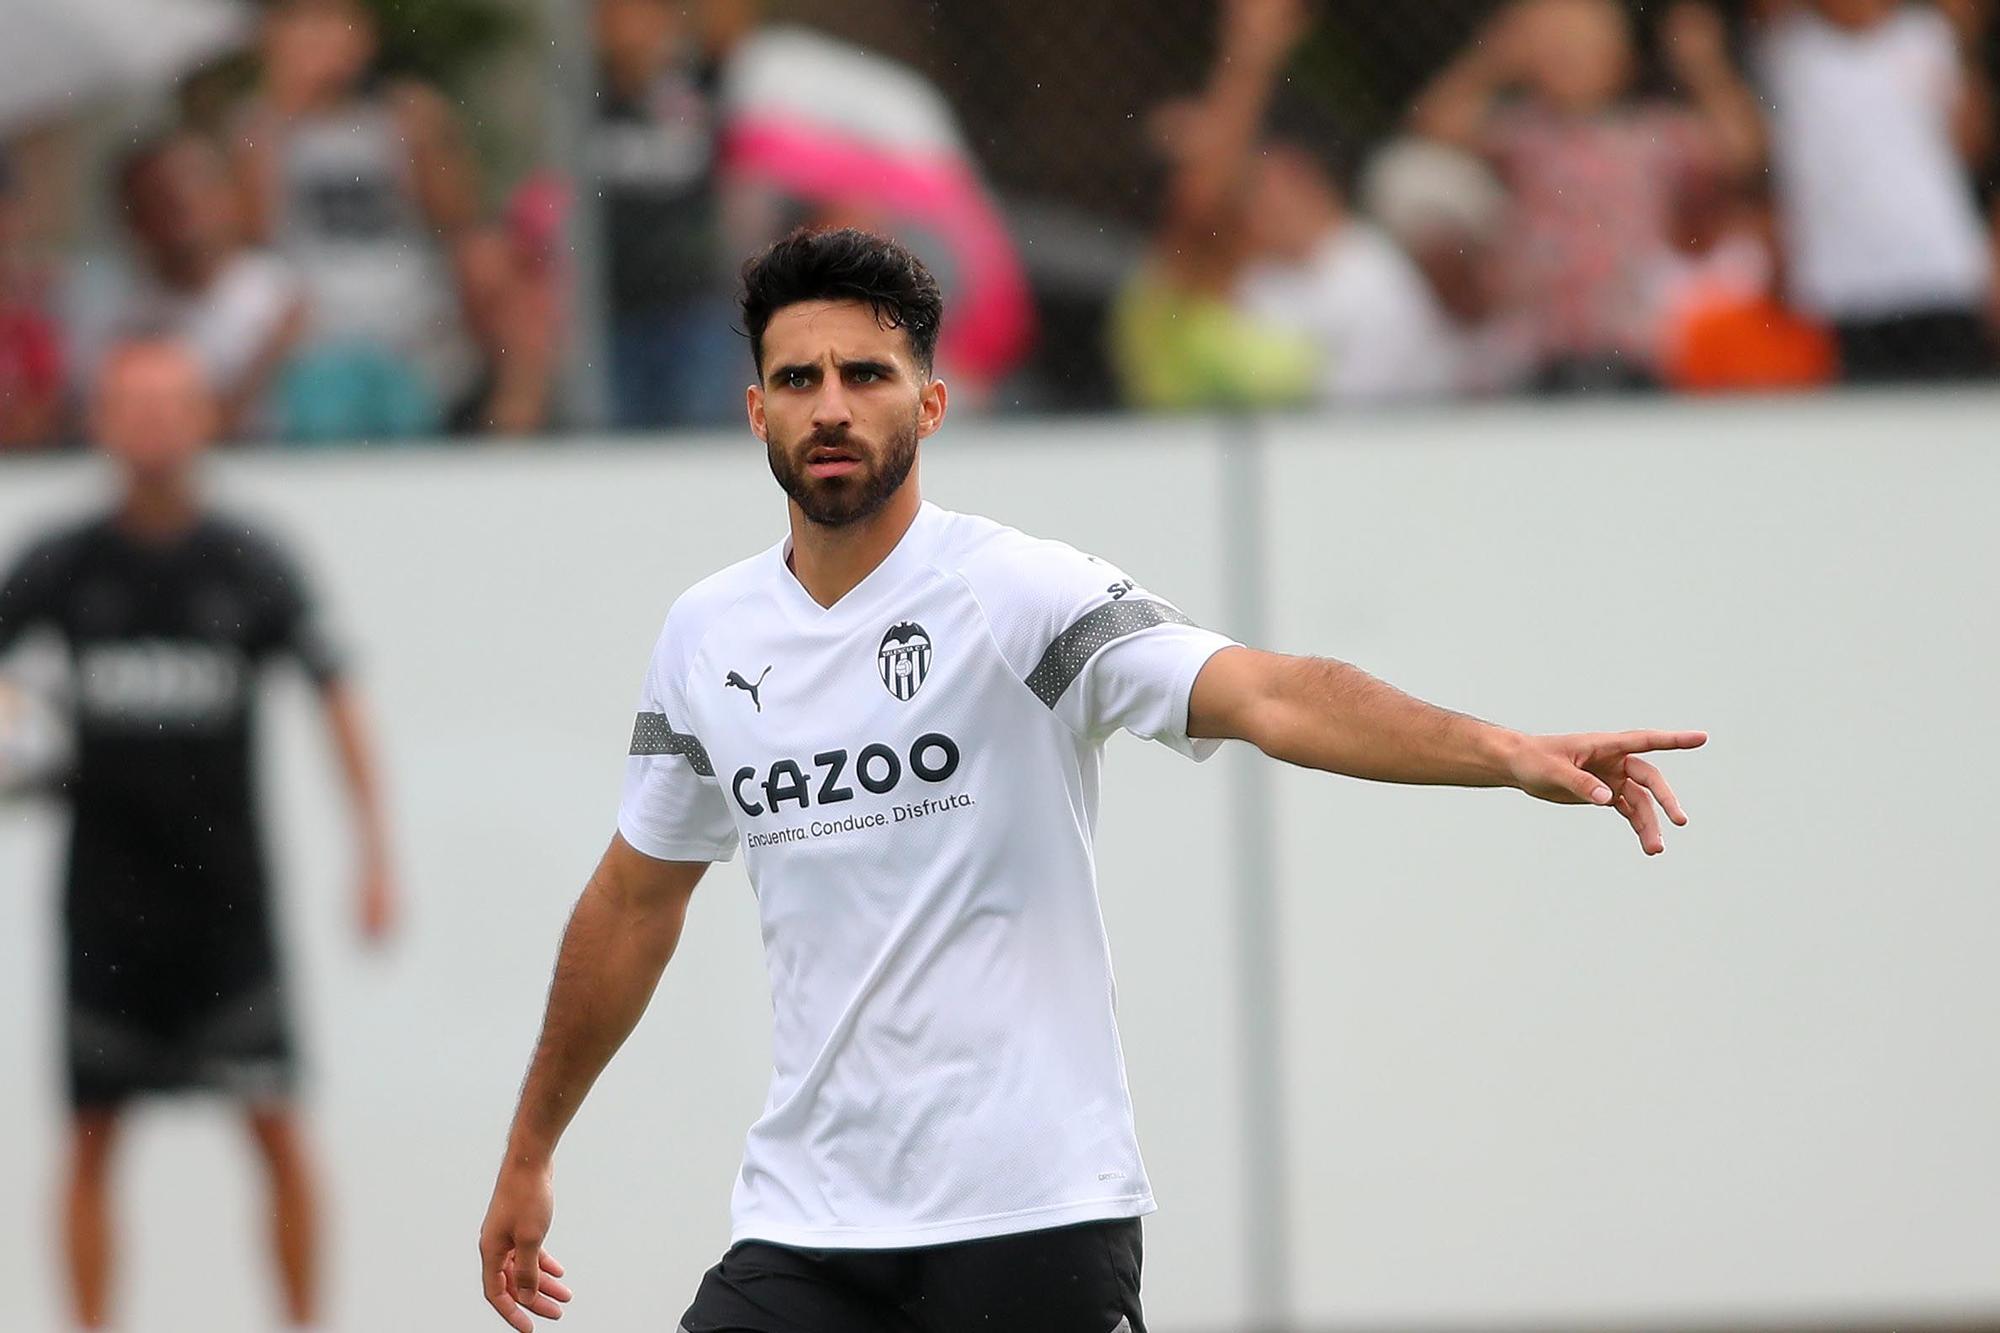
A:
(1746, 344)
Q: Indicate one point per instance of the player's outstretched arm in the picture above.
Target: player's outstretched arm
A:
(620, 936)
(1323, 714)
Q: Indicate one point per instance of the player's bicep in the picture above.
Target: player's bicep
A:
(1229, 695)
(643, 880)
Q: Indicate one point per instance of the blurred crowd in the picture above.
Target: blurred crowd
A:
(1540, 225)
(1782, 196)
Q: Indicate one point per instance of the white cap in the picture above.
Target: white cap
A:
(1416, 188)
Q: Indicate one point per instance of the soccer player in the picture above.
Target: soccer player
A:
(898, 712)
(168, 610)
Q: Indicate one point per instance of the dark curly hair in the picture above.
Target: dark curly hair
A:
(844, 265)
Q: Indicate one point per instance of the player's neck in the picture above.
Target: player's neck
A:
(158, 508)
(829, 562)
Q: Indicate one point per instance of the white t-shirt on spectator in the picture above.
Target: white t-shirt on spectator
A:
(231, 323)
(1877, 205)
(227, 326)
(1380, 330)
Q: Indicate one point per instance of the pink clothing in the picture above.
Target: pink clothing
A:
(31, 372)
(1593, 218)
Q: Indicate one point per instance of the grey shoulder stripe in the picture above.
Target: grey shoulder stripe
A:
(653, 734)
(1064, 660)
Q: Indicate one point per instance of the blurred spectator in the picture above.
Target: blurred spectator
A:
(524, 322)
(168, 611)
(1376, 324)
(1447, 210)
(826, 134)
(1595, 173)
(238, 311)
(1178, 337)
(365, 187)
(1876, 109)
(674, 358)
(1726, 325)
(31, 362)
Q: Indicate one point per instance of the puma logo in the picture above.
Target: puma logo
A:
(735, 681)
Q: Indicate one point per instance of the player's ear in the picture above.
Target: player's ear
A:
(931, 404)
(753, 404)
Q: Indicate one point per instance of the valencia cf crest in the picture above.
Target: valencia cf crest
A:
(904, 658)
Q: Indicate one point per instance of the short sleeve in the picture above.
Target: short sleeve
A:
(672, 807)
(1099, 651)
(28, 593)
(288, 616)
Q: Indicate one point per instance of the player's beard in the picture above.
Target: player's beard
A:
(836, 502)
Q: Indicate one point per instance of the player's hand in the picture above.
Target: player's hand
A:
(520, 1280)
(1604, 768)
(377, 900)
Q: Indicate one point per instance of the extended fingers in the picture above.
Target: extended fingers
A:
(1639, 742)
(1638, 770)
(1635, 802)
(494, 1263)
(553, 1289)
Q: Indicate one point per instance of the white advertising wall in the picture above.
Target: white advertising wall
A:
(1524, 1075)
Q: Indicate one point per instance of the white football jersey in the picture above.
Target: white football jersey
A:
(913, 775)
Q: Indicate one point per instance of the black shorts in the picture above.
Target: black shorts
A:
(179, 998)
(1076, 1279)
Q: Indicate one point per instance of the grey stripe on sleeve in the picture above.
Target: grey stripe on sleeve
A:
(653, 734)
(1064, 661)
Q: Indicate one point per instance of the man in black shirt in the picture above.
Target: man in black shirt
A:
(653, 145)
(167, 611)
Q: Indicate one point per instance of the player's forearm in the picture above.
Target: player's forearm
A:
(357, 767)
(1324, 714)
(617, 945)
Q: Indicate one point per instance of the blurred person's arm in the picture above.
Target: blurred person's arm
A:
(290, 624)
(518, 319)
(376, 893)
(1993, 280)
(1696, 45)
(446, 180)
(1212, 140)
(1454, 107)
(1323, 714)
(255, 159)
(239, 405)
(1972, 102)
(620, 937)
(498, 304)
(725, 23)
(446, 176)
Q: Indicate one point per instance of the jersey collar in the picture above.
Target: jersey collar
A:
(909, 555)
